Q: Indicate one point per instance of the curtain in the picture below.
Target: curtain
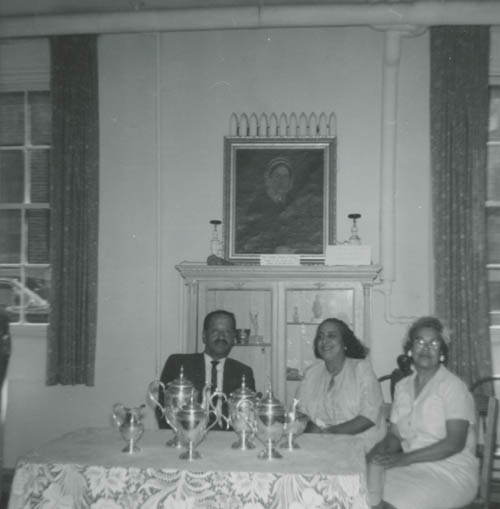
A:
(459, 132)
(74, 210)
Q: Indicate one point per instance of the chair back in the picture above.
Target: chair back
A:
(486, 428)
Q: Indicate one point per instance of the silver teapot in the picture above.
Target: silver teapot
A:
(192, 426)
(129, 422)
(270, 418)
(241, 403)
(175, 394)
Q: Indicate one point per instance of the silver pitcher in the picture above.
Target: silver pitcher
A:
(270, 417)
(175, 394)
(295, 424)
(129, 422)
(192, 426)
(241, 403)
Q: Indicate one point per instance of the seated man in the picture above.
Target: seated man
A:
(213, 365)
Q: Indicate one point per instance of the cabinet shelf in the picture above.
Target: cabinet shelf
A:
(299, 324)
(263, 345)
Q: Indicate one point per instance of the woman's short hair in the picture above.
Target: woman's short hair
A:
(428, 322)
(352, 345)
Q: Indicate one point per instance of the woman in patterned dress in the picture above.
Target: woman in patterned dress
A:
(340, 392)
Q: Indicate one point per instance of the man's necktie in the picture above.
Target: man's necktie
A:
(214, 375)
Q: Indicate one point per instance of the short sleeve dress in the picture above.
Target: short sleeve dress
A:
(355, 391)
(421, 421)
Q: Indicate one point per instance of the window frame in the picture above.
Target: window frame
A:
(26, 68)
(494, 81)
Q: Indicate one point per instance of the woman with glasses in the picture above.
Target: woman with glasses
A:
(340, 392)
(427, 456)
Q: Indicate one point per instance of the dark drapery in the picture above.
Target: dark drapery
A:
(74, 210)
(459, 133)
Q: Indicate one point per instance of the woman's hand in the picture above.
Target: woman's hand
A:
(390, 459)
(312, 427)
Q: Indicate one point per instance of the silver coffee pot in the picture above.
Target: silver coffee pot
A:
(270, 417)
(242, 403)
(192, 426)
(176, 393)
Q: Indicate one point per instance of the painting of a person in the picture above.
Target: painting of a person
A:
(279, 206)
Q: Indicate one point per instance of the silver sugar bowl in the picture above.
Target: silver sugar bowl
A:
(241, 405)
(270, 416)
(176, 393)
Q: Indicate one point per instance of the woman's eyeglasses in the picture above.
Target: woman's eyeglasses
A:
(434, 344)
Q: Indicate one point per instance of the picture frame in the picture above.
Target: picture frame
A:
(279, 197)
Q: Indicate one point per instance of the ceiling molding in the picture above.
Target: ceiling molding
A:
(393, 14)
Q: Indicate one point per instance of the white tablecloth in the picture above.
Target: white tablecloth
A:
(86, 469)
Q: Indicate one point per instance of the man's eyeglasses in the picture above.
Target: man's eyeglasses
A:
(435, 344)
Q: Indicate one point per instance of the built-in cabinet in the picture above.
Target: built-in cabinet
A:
(281, 307)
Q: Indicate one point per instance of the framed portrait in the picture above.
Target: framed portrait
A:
(279, 197)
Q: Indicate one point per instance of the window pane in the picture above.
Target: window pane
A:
(10, 236)
(38, 236)
(39, 176)
(12, 118)
(494, 295)
(38, 289)
(493, 191)
(11, 176)
(9, 298)
(39, 104)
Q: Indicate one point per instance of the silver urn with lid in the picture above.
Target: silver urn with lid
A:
(270, 417)
(176, 393)
(242, 405)
(192, 426)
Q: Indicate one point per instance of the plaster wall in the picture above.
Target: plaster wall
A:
(165, 103)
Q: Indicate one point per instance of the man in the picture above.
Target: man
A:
(213, 365)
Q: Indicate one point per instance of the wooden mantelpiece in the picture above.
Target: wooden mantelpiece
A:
(192, 271)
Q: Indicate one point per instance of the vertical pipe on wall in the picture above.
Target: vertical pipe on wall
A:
(158, 237)
(392, 54)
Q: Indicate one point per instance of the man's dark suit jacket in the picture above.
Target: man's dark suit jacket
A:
(194, 371)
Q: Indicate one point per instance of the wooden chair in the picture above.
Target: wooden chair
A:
(492, 383)
(486, 418)
(486, 380)
(403, 370)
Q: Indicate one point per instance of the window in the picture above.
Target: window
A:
(493, 207)
(25, 137)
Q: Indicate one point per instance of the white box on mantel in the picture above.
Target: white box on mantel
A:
(348, 254)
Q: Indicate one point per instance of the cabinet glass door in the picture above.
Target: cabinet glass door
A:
(305, 309)
(252, 308)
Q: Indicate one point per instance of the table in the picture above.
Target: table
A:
(86, 469)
